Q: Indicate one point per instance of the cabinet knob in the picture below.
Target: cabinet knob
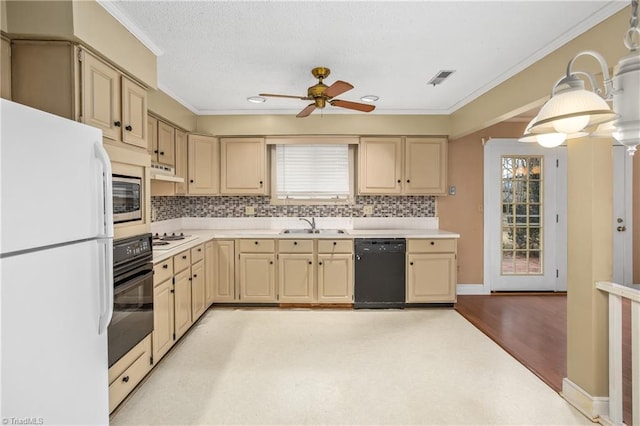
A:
(319, 263)
(433, 243)
(408, 180)
(255, 242)
(172, 290)
(399, 181)
(190, 278)
(155, 151)
(271, 262)
(411, 263)
(161, 152)
(260, 183)
(190, 180)
(310, 262)
(117, 123)
(184, 257)
(125, 379)
(195, 275)
(295, 243)
(165, 266)
(334, 243)
(128, 128)
(199, 249)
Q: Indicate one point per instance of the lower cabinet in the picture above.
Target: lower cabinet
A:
(335, 278)
(296, 271)
(125, 374)
(257, 271)
(431, 271)
(221, 269)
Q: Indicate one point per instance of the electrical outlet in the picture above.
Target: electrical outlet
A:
(249, 210)
(154, 214)
(367, 210)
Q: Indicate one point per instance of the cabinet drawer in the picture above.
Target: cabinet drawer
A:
(431, 245)
(128, 371)
(181, 261)
(162, 271)
(295, 246)
(335, 246)
(197, 253)
(257, 246)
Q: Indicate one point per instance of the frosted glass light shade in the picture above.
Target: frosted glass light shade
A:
(551, 140)
(571, 111)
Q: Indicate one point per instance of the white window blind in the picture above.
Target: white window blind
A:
(312, 171)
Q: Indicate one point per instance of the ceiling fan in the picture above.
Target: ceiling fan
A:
(320, 94)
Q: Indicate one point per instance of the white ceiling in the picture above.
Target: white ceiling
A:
(212, 55)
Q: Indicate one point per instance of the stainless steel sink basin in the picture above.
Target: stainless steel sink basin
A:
(309, 231)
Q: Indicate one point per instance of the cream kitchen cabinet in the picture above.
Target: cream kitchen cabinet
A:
(402, 165)
(243, 166)
(152, 137)
(163, 308)
(222, 285)
(256, 271)
(198, 282)
(128, 371)
(182, 162)
(5, 67)
(296, 271)
(65, 79)
(335, 271)
(203, 160)
(431, 270)
(161, 143)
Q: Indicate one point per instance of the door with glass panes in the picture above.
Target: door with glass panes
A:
(525, 211)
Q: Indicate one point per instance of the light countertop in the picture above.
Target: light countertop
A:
(232, 234)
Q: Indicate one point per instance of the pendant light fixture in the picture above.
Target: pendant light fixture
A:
(572, 108)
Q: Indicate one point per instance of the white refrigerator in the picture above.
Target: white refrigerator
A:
(56, 269)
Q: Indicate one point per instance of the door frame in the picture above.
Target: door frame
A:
(559, 227)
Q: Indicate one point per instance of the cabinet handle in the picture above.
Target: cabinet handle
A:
(165, 266)
(125, 379)
(128, 128)
(117, 123)
(411, 263)
(433, 243)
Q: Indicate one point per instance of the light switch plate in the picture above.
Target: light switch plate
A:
(367, 210)
(452, 190)
(249, 210)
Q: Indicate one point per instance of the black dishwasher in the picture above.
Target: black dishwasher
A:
(380, 273)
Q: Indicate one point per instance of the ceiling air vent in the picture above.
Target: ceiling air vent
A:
(440, 77)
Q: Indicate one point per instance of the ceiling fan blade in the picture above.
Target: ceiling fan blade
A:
(352, 105)
(337, 88)
(285, 96)
(308, 110)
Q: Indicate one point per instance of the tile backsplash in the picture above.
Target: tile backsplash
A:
(165, 208)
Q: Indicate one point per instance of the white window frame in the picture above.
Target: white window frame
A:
(311, 201)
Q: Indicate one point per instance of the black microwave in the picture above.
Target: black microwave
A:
(127, 198)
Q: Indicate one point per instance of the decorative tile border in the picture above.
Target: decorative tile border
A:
(165, 208)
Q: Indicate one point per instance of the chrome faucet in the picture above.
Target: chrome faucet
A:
(311, 223)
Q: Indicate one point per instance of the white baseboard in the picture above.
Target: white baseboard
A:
(596, 408)
(469, 289)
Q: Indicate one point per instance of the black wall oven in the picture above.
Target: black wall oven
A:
(127, 198)
(132, 296)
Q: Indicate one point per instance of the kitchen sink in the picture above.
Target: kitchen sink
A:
(314, 231)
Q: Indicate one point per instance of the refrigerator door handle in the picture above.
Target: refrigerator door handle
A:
(107, 193)
(106, 284)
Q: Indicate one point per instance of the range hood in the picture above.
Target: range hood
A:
(164, 173)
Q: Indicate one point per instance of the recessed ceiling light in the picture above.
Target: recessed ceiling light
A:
(369, 98)
(256, 99)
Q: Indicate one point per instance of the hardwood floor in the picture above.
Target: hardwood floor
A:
(533, 329)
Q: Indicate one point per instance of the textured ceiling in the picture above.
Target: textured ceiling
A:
(215, 54)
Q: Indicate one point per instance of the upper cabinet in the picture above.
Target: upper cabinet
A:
(64, 79)
(5, 69)
(164, 150)
(243, 166)
(402, 165)
(182, 162)
(202, 153)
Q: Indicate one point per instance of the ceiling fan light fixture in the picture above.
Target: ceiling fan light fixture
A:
(256, 99)
(369, 98)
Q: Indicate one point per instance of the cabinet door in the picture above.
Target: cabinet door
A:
(182, 296)
(257, 276)
(134, 114)
(209, 273)
(242, 166)
(425, 166)
(197, 290)
(431, 278)
(166, 144)
(152, 136)
(163, 322)
(380, 165)
(203, 164)
(296, 278)
(224, 289)
(101, 96)
(335, 278)
(181, 161)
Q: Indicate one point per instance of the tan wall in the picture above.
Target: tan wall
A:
(171, 110)
(463, 212)
(636, 218)
(318, 124)
(531, 87)
(3, 16)
(86, 22)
